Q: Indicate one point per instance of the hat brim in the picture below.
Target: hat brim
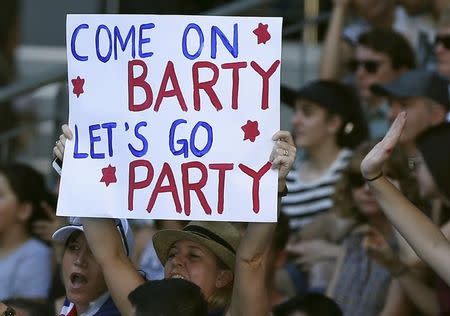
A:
(164, 239)
(64, 233)
(391, 91)
(288, 95)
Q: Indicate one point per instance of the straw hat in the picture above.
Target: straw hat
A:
(221, 238)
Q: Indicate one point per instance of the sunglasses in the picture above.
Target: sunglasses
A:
(370, 66)
(442, 39)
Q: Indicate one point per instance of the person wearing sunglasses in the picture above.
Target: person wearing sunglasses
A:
(360, 286)
(424, 96)
(442, 44)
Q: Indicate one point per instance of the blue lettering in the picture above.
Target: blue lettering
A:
(142, 40)
(184, 42)
(73, 40)
(143, 151)
(183, 142)
(109, 127)
(234, 50)
(123, 45)
(95, 139)
(205, 150)
(76, 154)
(97, 43)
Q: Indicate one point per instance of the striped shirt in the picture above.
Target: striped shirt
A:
(308, 199)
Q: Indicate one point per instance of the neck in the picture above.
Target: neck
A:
(13, 238)
(410, 149)
(81, 308)
(323, 155)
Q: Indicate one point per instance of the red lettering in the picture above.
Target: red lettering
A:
(235, 90)
(132, 184)
(196, 187)
(265, 76)
(206, 85)
(166, 172)
(138, 82)
(256, 179)
(222, 167)
(170, 73)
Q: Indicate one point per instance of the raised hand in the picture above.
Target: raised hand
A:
(372, 165)
(283, 155)
(44, 229)
(60, 144)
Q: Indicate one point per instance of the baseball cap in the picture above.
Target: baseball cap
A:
(417, 83)
(122, 225)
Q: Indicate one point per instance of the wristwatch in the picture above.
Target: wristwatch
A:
(9, 311)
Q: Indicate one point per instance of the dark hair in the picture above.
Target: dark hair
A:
(28, 186)
(312, 304)
(395, 167)
(434, 144)
(33, 308)
(391, 43)
(282, 232)
(168, 297)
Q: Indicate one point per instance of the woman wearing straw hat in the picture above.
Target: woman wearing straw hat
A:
(230, 271)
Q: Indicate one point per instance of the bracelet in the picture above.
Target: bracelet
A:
(374, 178)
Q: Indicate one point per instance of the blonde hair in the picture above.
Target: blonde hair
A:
(221, 299)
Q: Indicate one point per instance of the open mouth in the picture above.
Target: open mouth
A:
(177, 276)
(77, 280)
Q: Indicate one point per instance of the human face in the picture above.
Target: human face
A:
(383, 74)
(364, 201)
(442, 52)
(82, 275)
(9, 205)
(420, 116)
(193, 262)
(427, 185)
(311, 124)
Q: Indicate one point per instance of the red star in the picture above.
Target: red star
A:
(262, 33)
(78, 86)
(109, 175)
(250, 130)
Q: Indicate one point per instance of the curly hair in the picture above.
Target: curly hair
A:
(395, 168)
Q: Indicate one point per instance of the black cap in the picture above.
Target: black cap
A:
(417, 83)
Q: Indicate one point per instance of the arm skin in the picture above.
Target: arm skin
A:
(250, 295)
(396, 303)
(421, 233)
(335, 50)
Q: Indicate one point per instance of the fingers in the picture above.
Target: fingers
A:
(66, 131)
(284, 136)
(58, 153)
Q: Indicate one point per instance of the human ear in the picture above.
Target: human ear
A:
(25, 211)
(224, 278)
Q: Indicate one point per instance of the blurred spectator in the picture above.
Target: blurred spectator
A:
(311, 304)
(327, 124)
(360, 286)
(148, 261)
(26, 262)
(442, 44)
(168, 297)
(424, 96)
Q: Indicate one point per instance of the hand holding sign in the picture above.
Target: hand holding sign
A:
(172, 117)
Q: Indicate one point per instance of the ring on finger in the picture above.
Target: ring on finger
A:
(286, 152)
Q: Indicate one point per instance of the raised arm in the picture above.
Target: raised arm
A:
(250, 296)
(335, 50)
(107, 247)
(120, 274)
(420, 232)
